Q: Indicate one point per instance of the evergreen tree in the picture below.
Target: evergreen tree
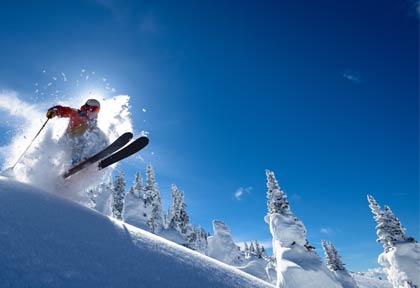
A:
(152, 199)
(171, 219)
(277, 203)
(246, 250)
(396, 228)
(252, 249)
(276, 198)
(118, 195)
(177, 215)
(257, 249)
(137, 190)
(201, 242)
(388, 228)
(376, 209)
(334, 262)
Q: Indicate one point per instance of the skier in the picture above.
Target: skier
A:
(82, 133)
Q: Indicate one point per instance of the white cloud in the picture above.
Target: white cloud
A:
(352, 76)
(241, 191)
(327, 230)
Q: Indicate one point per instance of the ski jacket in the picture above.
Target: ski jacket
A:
(79, 121)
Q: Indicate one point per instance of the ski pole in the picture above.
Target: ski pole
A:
(21, 156)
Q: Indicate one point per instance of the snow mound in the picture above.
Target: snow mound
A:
(222, 247)
(257, 268)
(48, 241)
(345, 279)
(296, 265)
(402, 264)
(373, 278)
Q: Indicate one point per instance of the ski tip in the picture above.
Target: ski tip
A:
(127, 134)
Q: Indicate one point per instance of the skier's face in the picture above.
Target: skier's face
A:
(92, 111)
(92, 114)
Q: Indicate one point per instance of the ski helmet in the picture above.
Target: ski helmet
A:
(92, 105)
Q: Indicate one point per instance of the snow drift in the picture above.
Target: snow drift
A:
(402, 264)
(48, 241)
(296, 266)
(222, 247)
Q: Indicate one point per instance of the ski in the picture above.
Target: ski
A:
(114, 146)
(125, 152)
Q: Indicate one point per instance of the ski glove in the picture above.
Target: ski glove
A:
(51, 113)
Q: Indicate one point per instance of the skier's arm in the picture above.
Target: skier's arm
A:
(60, 111)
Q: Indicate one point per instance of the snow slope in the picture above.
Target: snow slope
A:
(373, 278)
(48, 241)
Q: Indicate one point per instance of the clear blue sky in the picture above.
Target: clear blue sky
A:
(325, 93)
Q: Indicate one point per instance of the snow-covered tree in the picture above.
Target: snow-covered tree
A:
(251, 248)
(152, 199)
(290, 245)
(246, 250)
(276, 198)
(137, 189)
(336, 265)
(254, 250)
(401, 257)
(172, 218)
(201, 242)
(389, 228)
(135, 211)
(104, 197)
(118, 195)
(257, 249)
(396, 230)
(334, 262)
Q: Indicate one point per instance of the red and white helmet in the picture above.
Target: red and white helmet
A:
(92, 105)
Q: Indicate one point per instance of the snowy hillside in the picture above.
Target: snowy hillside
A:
(47, 241)
(373, 278)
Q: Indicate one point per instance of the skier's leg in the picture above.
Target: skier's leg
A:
(77, 150)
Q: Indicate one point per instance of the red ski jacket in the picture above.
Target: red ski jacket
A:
(79, 121)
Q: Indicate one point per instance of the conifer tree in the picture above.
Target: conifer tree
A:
(388, 228)
(277, 203)
(118, 195)
(396, 229)
(137, 188)
(333, 259)
(177, 215)
(171, 219)
(152, 199)
(257, 249)
(276, 198)
(246, 250)
(252, 248)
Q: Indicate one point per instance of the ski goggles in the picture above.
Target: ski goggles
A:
(92, 108)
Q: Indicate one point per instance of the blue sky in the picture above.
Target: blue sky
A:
(325, 94)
